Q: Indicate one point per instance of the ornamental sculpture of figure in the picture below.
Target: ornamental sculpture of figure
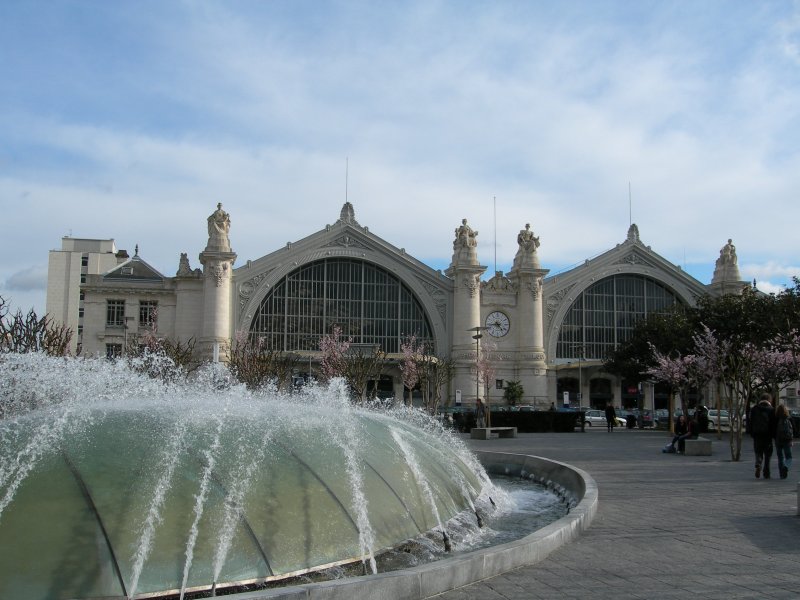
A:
(219, 224)
(526, 240)
(727, 256)
(526, 257)
(465, 237)
(465, 246)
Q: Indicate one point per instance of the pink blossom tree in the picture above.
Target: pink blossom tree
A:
(409, 365)
(486, 369)
(334, 347)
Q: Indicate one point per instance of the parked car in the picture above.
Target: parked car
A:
(598, 417)
(724, 419)
(644, 418)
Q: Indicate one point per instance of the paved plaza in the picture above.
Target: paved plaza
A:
(668, 526)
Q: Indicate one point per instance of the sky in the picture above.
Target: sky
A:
(132, 120)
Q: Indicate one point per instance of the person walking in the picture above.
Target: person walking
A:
(611, 417)
(762, 424)
(784, 436)
(480, 413)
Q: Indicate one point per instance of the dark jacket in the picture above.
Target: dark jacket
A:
(769, 413)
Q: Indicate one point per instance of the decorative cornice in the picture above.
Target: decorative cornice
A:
(438, 296)
(472, 282)
(554, 301)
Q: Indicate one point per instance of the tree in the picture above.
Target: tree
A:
(486, 368)
(333, 347)
(435, 373)
(513, 392)
(254, 363)
(161, 358)
(357, 365)
(409, 365)
(30, 333)
(669, 333)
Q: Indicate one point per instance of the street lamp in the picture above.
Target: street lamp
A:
(580, 376)
(477, 337)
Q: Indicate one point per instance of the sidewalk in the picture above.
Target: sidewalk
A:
(668, 526)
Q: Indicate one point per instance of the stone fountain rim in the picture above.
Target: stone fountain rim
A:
(434, 578)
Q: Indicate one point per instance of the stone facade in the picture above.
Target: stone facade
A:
(518, 315)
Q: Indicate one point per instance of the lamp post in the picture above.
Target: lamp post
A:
(477, 337)
(580, 377)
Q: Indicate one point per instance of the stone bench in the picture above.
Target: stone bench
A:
(484, 433)
(698, 446)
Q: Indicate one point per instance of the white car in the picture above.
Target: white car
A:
(598, 417)
(722, 415)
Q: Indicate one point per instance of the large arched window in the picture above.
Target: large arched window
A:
(605, 313)
(370, 305)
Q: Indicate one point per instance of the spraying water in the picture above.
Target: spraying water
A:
(117, 485)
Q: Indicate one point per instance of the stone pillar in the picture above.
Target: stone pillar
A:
(466, 273)
(217, 260)
(528, 276)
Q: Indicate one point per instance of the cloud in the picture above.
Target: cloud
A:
(439, 109)
(29, 279)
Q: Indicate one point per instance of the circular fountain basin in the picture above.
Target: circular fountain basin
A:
(149, 491)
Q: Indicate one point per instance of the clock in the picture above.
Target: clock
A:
(497, 324)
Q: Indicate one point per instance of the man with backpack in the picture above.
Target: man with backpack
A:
(762, 425)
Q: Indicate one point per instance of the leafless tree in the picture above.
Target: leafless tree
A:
(31, 333)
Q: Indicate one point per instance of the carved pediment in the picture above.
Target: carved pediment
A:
(635, 258)
(498, 283)
(345, 241)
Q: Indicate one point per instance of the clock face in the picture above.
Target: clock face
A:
(497, 324)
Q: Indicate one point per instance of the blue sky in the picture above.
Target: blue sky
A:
(131, 120)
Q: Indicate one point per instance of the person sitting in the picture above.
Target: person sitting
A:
(680, 429)
(692, 431)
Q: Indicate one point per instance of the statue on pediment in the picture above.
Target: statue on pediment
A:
(527, 256)
(219, 225)
(727, 256)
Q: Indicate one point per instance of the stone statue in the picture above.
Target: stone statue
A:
(465, 236)
(219, 224)
(727, 256)
(184, 270)
(526, 240)
(526, 257)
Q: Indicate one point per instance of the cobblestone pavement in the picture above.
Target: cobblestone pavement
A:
(668, 526)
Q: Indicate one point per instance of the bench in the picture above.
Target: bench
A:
(484, 433)
(698, 446)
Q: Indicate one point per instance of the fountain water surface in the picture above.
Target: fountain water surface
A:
(116, 485)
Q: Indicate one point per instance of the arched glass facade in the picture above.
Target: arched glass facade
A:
(605, 313)
(369, 303)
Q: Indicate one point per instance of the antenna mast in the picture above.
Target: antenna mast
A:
(346, 175)
(494, 200)
(630, 206)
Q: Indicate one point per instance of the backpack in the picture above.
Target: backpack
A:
(760, 421)
(785, 431)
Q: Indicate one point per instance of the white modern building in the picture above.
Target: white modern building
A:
(549, 333)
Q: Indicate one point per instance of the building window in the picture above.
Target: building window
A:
(498, 384)
(113, 351)
(80, 330)
(367, 302)
(115, 313)
(84, 261)
(80, 312)
(148, 313)
(83, 277)
(82, 296)
(604, 314)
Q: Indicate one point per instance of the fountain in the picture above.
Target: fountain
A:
(116, 485)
